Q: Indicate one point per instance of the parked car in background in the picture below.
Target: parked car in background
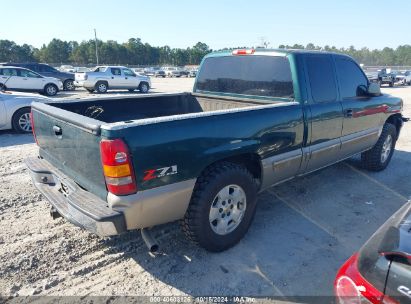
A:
(202, 157)
(403, 78)
(15, 110)
(45, 70)
(192, 73)
(380, 272)
(372, 76)
(21, 79)
(172, 72)
(81, 70)
(155, 72)
(104, 78)
(386, 76)
(183, 71)
(140, 71)
(67, 68)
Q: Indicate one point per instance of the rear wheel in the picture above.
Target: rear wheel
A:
(222, 207)
(2, 87)
(69, 85)
(21, 121)
(144, 87)
(101, 87)
(50, 89)
(379, 156)
(391, 84)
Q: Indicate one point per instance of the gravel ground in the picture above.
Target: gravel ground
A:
(303, 231)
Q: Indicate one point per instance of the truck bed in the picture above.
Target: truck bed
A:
(158, 105)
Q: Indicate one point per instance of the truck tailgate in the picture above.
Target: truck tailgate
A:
(70, 142)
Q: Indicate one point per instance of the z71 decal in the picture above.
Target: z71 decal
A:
(161, 172)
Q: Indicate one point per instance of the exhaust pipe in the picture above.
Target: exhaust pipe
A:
(150, 241)
(54, 213)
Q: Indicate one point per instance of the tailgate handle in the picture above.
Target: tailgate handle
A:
(57, 131)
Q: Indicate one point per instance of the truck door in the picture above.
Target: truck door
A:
(117, 79)
(325, 113)
(362, 114)
(130, 79)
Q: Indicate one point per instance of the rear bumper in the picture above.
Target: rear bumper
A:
(78, 206)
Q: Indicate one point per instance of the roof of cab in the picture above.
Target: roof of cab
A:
(274, 52)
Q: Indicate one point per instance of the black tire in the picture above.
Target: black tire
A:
(21, 121)
(50, 89)
(373, 159)
(101, 87)
(2, 87)
(131, 90)
(69, 85)
(196, 223)
(391, 84)
(144, 87)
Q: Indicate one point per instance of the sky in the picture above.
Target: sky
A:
(219, 23)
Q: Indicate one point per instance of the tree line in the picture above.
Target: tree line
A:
(135, 52)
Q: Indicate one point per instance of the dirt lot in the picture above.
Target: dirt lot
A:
(303, 231)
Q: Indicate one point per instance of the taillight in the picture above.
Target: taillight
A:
(243, 52)
(117, 167)
(351, 287)
(32, 126)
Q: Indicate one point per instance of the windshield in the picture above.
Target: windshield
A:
(246, 75)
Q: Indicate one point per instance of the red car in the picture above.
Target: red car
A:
(380, 272)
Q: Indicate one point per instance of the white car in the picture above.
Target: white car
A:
(104, 78)
(24, 80)
(15, 110)
(403, 78)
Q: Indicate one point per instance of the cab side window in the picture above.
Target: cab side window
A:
(322, 78)
(350, 78)
(128, 72)
(116, 71)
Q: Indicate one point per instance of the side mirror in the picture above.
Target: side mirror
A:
(374, 89)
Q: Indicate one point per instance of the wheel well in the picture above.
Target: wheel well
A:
(250, 161)
(99, 81)
(395, 120)
(50, 83)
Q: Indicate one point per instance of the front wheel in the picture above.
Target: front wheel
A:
(379, 156)
(21, 121)
(50, 89)
(144, 87)
(222, 207)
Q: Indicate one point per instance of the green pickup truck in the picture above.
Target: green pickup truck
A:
(255, 118)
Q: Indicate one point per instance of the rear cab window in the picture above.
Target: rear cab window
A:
(253, 75)
(322, 78)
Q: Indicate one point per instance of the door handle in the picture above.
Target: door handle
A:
(348, 113)
(57, 131)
